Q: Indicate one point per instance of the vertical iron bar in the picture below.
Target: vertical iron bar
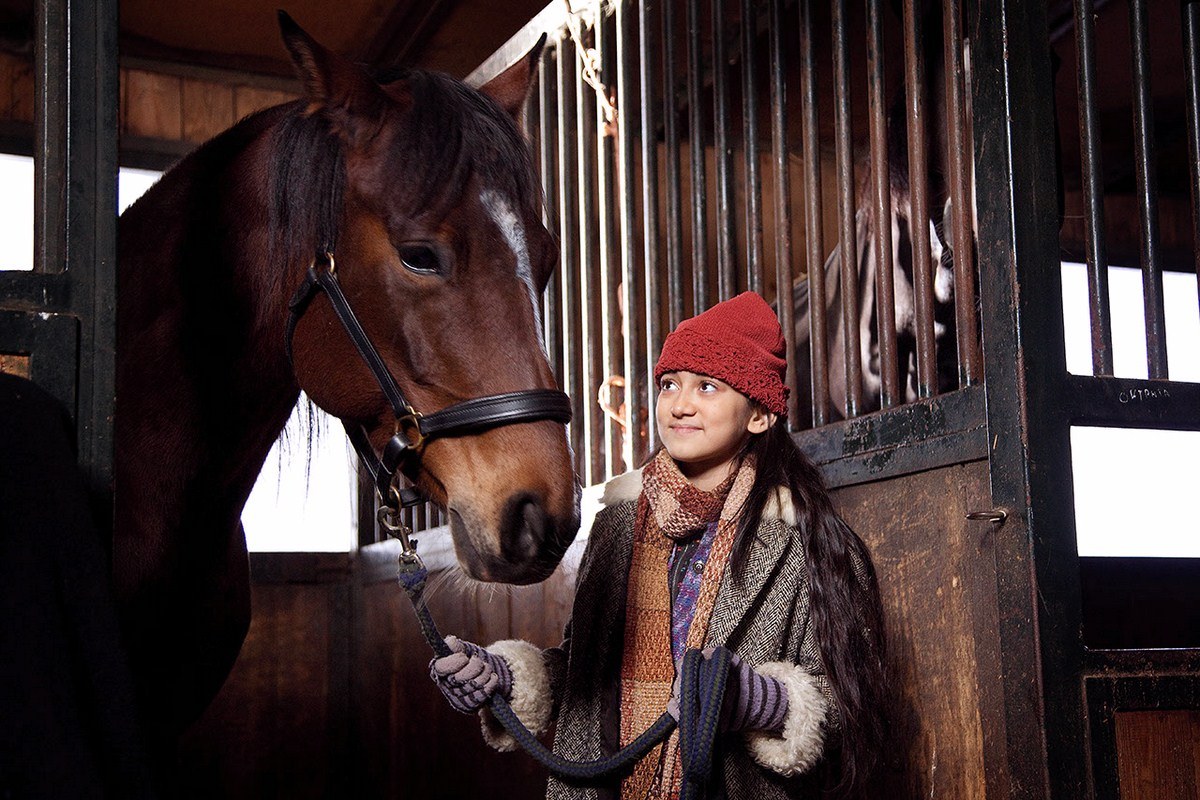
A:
(547, 114)
(754, 223)
(368, 526)
(635, 372)
(652, 296)
(885, 290)
(845, 184)
(966, 325)
(1045, 718)
(699, 171)
(813, 221)
(50, 137)
(590, 286)
(1093, 188)
(1191, 54)
(90, 228)
(783, 210)
(674, 220)
(610, 258)
(1147, 182)
(568, 242)
(918, 183)
(723, 153)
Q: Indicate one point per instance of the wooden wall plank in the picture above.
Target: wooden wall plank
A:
(937, 576)
(247, 100)
(14, 364)
(17, 97)
(267, 734)
(207, 109)
(153, 105)
(1158, 754)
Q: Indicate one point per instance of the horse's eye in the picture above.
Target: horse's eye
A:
(420, 259)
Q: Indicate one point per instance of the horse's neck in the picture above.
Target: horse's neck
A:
(204, 385)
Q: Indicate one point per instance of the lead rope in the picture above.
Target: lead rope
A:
(702, 687)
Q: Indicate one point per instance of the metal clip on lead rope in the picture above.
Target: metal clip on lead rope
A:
(389, 519)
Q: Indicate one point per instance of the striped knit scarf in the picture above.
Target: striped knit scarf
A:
(669, 508)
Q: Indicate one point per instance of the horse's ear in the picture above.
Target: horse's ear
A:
(511, 87)
(333, 85)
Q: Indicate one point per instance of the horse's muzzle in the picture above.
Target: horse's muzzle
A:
(527, 547)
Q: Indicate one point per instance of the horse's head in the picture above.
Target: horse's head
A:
(433, 212)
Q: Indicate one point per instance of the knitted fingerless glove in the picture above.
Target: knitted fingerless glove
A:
(470, 675)
(753, 702)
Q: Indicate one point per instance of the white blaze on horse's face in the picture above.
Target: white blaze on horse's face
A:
(510, 228)
(943, 279)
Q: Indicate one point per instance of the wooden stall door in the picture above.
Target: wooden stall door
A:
(937, 573)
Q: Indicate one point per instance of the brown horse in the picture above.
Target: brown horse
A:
(425, 192)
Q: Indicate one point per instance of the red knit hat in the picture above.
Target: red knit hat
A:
(739, 342)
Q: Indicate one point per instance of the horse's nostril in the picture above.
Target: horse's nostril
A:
(529, 531)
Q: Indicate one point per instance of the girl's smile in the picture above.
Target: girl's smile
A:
(703, 423)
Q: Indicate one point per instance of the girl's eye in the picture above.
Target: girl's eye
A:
(705, 386)
(420, 259)
(666, 385)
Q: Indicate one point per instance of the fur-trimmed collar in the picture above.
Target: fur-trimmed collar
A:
(626, 488)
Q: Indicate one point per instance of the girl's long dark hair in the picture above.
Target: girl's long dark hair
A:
(844, 604)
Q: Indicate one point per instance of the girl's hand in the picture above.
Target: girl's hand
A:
(752, 702)
(470, 675)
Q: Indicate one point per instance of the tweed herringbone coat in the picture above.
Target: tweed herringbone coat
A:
(761, 613)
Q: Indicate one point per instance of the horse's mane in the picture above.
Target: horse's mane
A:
(448, 134)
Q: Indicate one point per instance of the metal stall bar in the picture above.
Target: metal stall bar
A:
(1044, 736)
(754, 222)
(1093, 188)
(547, 134)
(590, 285)
(1147, 183)
(50, 137)
(696, 151)
(89, 224)
(568, 243)
(845, 184)
(1191, 54)
(652, 296)
(813, 238)
(610, 252)
(966, 319)
(881, 206)
(723, 155)
(783, 209)
(918, 183)
(674, 221)
(635, 372)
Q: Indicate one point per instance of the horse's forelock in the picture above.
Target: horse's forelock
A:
(447, 135)
(452, 133)
(308, 173)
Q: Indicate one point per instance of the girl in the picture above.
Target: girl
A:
(727, 536)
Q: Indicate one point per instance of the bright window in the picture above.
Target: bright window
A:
(16, 212)
(1133, 487)
(1129, 322)
(1134, 492)
(305, 502)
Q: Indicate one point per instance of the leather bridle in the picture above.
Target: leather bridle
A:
(413, 429)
